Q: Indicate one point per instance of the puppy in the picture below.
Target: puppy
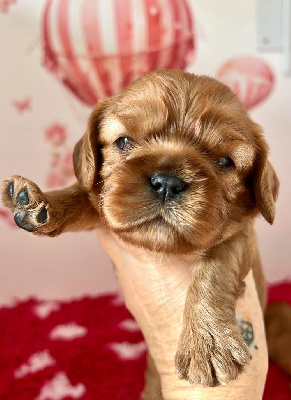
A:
(175, 165)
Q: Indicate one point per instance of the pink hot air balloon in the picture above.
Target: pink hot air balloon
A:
(249, 77)
(97, 47)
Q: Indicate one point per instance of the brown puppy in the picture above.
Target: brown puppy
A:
(175, 165)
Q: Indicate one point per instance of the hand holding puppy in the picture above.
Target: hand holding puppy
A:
(155, 291)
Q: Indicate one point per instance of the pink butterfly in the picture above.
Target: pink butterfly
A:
(22, 105)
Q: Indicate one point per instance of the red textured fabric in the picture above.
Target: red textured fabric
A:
(87, 360)
(105, 359)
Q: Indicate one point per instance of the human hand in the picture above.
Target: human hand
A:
(154, 288)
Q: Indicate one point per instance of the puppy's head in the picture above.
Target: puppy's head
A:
(177, 161)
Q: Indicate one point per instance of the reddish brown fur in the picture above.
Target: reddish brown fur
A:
(181, 125)
(278, 328)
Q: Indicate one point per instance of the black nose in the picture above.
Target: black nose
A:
(167, 187)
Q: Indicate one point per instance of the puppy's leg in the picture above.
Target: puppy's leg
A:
(50, 213)
(278, 330)
(277, 320)
(260, 280)
(153, 390)
(211, 350)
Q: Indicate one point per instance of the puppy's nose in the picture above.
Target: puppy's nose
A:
(167, 187)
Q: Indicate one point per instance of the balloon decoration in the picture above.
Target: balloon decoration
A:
(250, 78)
(5, 4)
(97, 47)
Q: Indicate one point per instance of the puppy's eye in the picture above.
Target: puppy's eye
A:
(123, 143)
(225, 163)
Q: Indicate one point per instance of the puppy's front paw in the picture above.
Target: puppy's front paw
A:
(27, 203)
(210, 359)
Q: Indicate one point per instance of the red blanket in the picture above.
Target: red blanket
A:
(86, 349)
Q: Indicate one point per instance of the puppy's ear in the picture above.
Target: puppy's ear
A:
(265, 181)
(85, 156)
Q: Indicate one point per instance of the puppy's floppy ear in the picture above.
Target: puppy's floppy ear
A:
(85, 156)
(265, 181)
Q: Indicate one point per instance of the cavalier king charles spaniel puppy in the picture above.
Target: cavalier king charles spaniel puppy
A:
(174, 165)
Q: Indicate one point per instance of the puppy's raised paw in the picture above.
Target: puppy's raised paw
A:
(27, 203)
(211, 360)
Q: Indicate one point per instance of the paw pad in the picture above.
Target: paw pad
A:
(10, 190)
(22, 197)
(42, 216)
(20, 221)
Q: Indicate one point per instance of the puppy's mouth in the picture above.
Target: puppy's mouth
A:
(148, 213)
(161, 226)
(156, 234)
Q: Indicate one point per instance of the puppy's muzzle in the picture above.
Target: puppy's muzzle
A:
(167, 187)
